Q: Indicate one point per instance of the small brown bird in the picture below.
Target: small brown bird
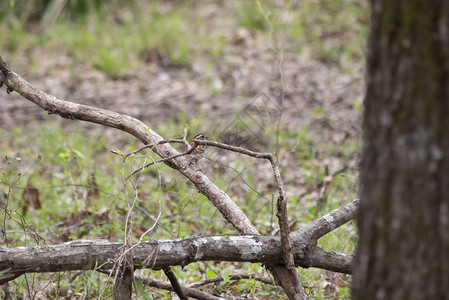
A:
(198, 152)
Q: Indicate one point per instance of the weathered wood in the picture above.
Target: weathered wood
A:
(101, 255)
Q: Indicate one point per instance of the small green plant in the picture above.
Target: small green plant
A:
(249, 16)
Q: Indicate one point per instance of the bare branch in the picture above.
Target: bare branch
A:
(281, 202)
(319, 227)
(333, 261)
(234, 277)
(162, 160)
(66, 109)
(242, 248)
(230, 211)
(91, 255)
(189, 291)
(123, 284)
(174, 283)
(152, 145)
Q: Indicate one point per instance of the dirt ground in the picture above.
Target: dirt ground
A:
(218, 89)
(252, 84)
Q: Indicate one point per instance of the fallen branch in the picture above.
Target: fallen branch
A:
(99, 255)
(92, 255)
(189, 291)
(285, 275)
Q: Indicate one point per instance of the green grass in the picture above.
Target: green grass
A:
(119, 48)
(332, 31)
(62, 177)
(117, 42)
(117, 57)
(335, 31)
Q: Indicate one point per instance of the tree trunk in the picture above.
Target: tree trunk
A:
(403, 249)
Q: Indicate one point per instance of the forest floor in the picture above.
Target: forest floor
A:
(280, 77)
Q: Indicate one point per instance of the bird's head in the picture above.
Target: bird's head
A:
(200, 136)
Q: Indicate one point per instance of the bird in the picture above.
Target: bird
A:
(198, 152)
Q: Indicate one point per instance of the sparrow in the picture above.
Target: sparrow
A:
(198, 152)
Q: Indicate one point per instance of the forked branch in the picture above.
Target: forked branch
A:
(281, 202)
(90, 255)
(286, 277)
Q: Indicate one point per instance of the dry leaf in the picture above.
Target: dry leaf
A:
(30, 199)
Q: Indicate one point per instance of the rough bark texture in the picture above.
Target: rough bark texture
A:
(404, 212)
(90, 254)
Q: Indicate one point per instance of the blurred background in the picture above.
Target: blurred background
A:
(275, 76)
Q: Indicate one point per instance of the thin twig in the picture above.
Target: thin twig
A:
(233, 277)
(281, 202)
(162, 160)
(172, 141)
(182, 141)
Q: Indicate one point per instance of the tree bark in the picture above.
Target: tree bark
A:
(93, 255)
(100, 255)
(403, 250)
